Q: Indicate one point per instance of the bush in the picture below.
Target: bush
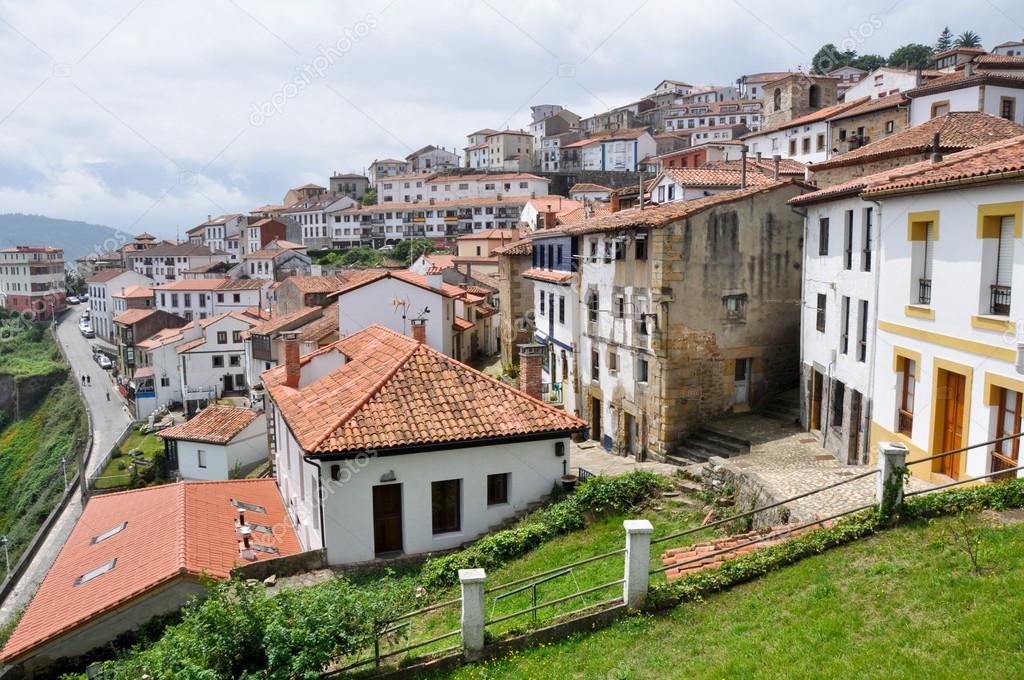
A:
(597, 495)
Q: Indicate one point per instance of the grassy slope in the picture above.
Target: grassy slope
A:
(903, 604)
(112, 476)
(31, 481)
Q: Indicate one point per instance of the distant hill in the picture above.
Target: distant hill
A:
(76, 238)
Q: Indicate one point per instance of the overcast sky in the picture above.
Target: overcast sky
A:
(150, 115)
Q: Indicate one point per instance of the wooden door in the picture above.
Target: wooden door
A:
(741, 381)
(387, 518)
(595, 419)
(817, 393)
(954, 386)
(853, 453)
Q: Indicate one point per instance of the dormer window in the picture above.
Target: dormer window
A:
(98, 571)
(109, 533)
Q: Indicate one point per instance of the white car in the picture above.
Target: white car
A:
(104, 361)
(73, 300)
(87, 331)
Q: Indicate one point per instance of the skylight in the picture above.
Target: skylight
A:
(109, 532)
(98, 571)
(265, 549)
(248, 506)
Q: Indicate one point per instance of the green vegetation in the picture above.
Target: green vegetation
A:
(31, 476)
(27, 350)
(902, 604)
(362, 257)
(121, 472)
(408, 251)
(911, 55)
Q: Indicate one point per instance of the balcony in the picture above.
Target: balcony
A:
(905, 424)
(924, 291)
(1000, 304)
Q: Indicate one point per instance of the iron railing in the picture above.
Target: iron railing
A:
(924, 291)
(1000, 303)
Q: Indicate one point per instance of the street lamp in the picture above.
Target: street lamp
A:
(7, 557)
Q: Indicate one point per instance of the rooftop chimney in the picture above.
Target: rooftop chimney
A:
(292, 369)
(743, 166)
(776, 158)
(434, 278)
(969, 69)
(530, 360)
(241, 517)
(245, 550)
(419, 330)
(613, 201)
(936, 154)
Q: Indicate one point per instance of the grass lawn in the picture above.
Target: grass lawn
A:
(113, 477)
(902, 604)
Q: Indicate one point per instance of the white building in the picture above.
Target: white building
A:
(432, 158)
(203, 298)
(168, 262)
(997, 94)
(223, 233)
(156, 380)
(211, 359)
(101, 287)
(219, 442)
(419, 188)
(475, 151)
(885, 81)
(586, 191)
(804, 139)
(388, 167)
(363, 492)
(315, 219)
(687, 184)
(715, 114)
(276, 261)
(619, 151)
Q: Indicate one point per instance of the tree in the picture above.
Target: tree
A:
(968, 39)
(911, 55)
(868, 62)
(73, 282)
(945, 40)
(370, 197)
(408, 251)
(367, 257)
(829, 58)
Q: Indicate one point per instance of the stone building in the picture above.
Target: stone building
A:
(869, 122)
(688, 311)
(795, 95)
(516, 295)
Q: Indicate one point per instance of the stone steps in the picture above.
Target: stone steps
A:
(706, 443)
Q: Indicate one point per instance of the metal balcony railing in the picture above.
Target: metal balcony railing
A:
(924, 291)
(1000, 300)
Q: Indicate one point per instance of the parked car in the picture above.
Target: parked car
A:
(84, 297)
(88, 332)
(104, 361)
(85, 315)
(73, 300)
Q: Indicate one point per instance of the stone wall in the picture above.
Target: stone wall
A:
(747, 491)
(827, 177)
(515, 295)
(873, 122)
(311, 560)
(21, 394)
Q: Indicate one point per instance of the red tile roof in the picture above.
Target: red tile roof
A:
(133, 316)
(813, 117)
(461, 324)
(787, 166)
(957, 131)
(212, 425)
(876, 104)
(521, 247)
(960, 80)
(586, 186)
(713, 177)
(394, 392)
(104, 276)
(134, 292)
(547, 275)
(492, 234)
(412, 278)
(175, 530)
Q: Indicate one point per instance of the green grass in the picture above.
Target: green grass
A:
(112, 476)
(31, 479)
(901, 604)
(27, 351)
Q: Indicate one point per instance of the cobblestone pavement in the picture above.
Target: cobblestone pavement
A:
(590, 456)
(788, 461)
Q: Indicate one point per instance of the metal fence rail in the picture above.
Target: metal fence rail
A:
(542, 574)
(557, 600)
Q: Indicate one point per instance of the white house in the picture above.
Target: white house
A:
(619, 151)
(314, 216)
(211, 358)
(219, 442)
(432, 158)
(969, 89)
(156, 380)
(945, 373)
(202, 298)
(885, 81)
(536, 207)
(276, 261)
(387, 167)
(168, 262)
(223, 233)
(687, 184)
(101, 287)
(805, 139)
(423, 484)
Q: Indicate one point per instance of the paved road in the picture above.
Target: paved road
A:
(109, 418)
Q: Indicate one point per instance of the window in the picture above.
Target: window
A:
(220, 297)
(823, 236)
(592, 303)
(642, 369)
(98, 571)
(838, 397)
(613, 360)
(236, 297)
(735, 307)
(1006, 454)
(922, 234)
(865, 253)
(561, 309)
(862, 336)
(236, 336)
(820, 142)
(792, 148)
(109, 533)
(805, 145)
(620, 306)
(542, 298)
(446, 506)
(201, 458)
(497, 489)
(1000, 290)
(848, 240)
(844, 333)
(820, 321)
(595, 365)
(940, 108)
(1007, 107)
(235, 360)
(906, 370)
(889, 126)
(217, 361)
(641, 245)
(222, 337)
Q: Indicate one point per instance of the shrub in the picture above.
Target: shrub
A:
(597, 495)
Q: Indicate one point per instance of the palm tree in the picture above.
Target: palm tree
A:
(967, 39)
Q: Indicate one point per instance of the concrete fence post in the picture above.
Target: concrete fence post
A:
(638, 559)
(892, 464)
(472, 581)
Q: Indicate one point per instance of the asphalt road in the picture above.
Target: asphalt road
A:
(109, 418)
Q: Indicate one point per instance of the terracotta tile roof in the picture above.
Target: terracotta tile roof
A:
(484, 279)
(960, 80)
(412, 278)
(766, 77)
(957, 131)
(212, 425)
(242, 284)
(520, 247)
(587, 186)
(998, 61)
(462, 325)
(133, 316)
(994, 160)
(190, 345)
(876, 104)
(787, 166)
(316, 284)
(176, 250)
(713, 177)
(492, 234)
(660, 215)
(171, 531)
(393, 392)
(193, 284)
(547, 275)
(287, 322)
(484, 310)
(161, 338)
(813, 117)
(689, 560)
(440, 261)
(104, 276)
(133, 292)
(322, 330)
(482, 131)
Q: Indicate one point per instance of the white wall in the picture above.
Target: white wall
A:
(348, 504)
(372, 304)
(965, 99)
(563, 334)
(197, 369)
(247, 449)
(777, 142)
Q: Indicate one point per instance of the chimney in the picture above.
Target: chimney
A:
(936, 154)
(918, 77)
(776, 158)
(292, 369)
(241, 517)
(743, 166)
(614, 201)
(245, 550)
(969, 69)
(419, 330)
(530, 359)
(434, 278)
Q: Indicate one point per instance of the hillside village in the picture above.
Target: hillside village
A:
(827, 255)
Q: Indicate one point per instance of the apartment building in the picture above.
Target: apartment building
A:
(315, 218)
(716, 113)
(804, 138)
(432, 158)
(619, 151)
(417, 188)
(349, 184)
(203, 298)
(102, 287)
(388, 167)
(510, 151)
(969, 89)
(168, 262)
(224, 233)
(32, 281)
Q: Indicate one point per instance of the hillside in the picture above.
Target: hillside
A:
(76, 238)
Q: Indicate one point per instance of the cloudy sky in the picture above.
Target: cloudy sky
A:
(152, 114)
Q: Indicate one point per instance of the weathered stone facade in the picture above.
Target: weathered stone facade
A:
(795, 95)
(826, 177)
(851, 132)
(515, 294)
(846, 438)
